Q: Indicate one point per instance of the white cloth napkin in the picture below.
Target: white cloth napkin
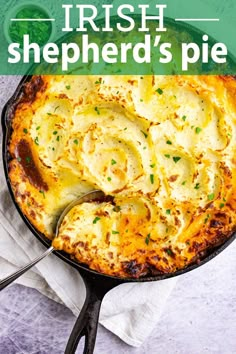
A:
(130, 311)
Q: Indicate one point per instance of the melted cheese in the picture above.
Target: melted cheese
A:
(163, 146)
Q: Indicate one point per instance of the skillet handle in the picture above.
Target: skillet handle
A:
(97, 285)
(86, 325)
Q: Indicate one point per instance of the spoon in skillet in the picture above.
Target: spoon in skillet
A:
(91, 196)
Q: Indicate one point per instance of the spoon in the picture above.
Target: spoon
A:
(91, 196)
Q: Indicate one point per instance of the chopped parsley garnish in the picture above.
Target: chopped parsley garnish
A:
(56, 108)
(98, 81)
(38, 31)
(25, 130)
(207, 218)
(38, 128)
(76, 142)
(27, 159)
(141, 100)
(153, 165)
(152, 179)
(96, 220)
(42, 192)
(125, 128)
(68, 87)
(160, 91)
(176, 159)
(169, 142)
(55, 132)
(19, 159)
(147, 239)
(222, 205)
(113, 162)
(183, 183)
(169, 252)
(114, 232)
(97, 110)
(167, 155)
(36, 140)
(144, 148)
(168, 211)
(145, 134)
(198, 130)
(197, 186)
(211, 196)
(49, 114)
(58, 138)
(117, 208)
(109, 179)
(184, 118)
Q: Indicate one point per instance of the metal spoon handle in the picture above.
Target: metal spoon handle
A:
(94, 195)
(8, 280)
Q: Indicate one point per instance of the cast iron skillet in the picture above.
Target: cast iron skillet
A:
(97, 285)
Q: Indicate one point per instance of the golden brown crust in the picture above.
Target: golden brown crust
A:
(164, 147)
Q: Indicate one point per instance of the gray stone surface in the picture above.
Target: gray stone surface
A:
(200, 316)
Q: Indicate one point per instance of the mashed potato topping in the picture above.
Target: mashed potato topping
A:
(162, 146)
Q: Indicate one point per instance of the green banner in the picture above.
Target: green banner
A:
(116, 37)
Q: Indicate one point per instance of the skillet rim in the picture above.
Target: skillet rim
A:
(6, 128)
